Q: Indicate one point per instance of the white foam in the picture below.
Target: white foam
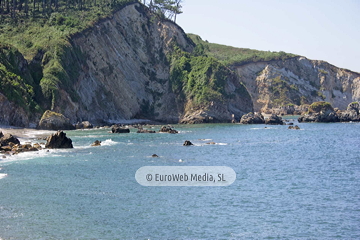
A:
(2, 175)
(108, 142)
(206, 139)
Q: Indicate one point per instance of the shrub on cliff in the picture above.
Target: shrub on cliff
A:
(317, 107)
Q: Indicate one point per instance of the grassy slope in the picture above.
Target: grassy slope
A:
(238, 56)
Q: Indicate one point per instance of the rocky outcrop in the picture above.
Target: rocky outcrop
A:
(58, 140)
(8, 139)
(273, 85)
(352, 113)
(252, 118)
(320, 112)
(274, 120)
(168, 129)
(54, 121)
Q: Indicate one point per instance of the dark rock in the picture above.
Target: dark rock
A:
(211, 143)
(1, 134)
(84, 125)
(58, 140)
(252, 118)
(290, 123)
(141, 130)
(8, 139)
(187, 143)
(274, 120)
(54, 121)
(168, 129)
(154, 155)
(116, 129)
(296, 127)
(96, 143)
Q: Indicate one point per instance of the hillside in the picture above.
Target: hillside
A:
(278, 81)
(129, 64)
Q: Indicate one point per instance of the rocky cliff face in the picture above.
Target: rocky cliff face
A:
(298, 81)
(124, 72)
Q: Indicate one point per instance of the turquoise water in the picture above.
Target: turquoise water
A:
(291, 184)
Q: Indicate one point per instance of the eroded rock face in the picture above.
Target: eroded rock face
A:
(302, 81)
(252, 118)
(58, 140)
(54, 121)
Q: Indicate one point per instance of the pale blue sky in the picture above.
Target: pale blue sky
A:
(326, 30)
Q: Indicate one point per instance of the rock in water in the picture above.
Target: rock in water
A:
(7, 139)
(352, 113)
(58, 140)
(320, 112)
(296, 127)
(54, 121)
(187, 143)
(116, 129)
(252, 118)
(274, 120)
(168, 129)
(96, 143)
(84, 125)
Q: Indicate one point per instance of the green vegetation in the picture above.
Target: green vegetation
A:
(283, 93)
(200, 79)
(231, 55)
(40, 30)
(317, 107)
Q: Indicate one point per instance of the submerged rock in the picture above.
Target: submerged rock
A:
(252, 118)
(58, 140)
(296, 127)
(141, 130)
(54, 121)
(274, 120)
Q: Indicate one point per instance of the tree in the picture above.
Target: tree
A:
(165, 8)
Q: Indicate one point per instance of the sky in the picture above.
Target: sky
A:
(326, 30)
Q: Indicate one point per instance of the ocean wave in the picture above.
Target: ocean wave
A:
(2, 175)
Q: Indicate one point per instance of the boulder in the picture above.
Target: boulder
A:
(154, 155)
(83, 125)
(252, 118)
(274, 120)
(168, 129)
(296, 127)
(54, 121)
(58, 140)
(187, 143)
(8, 139)
(116, 129)
(96, 143)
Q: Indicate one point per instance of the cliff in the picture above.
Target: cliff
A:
(298, 81)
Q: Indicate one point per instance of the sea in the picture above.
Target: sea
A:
(290, 184)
